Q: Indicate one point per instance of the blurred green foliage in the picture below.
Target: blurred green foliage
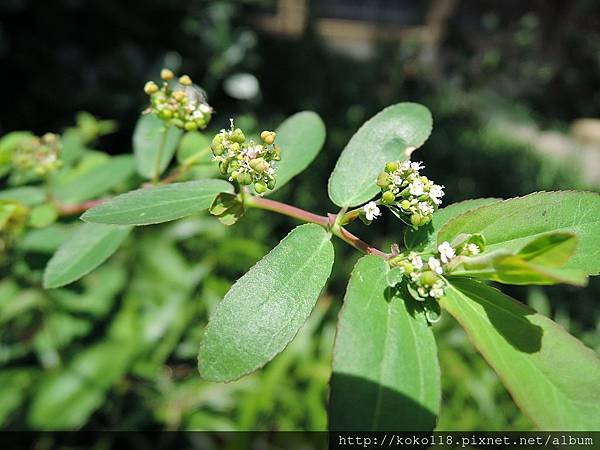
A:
(117, 350)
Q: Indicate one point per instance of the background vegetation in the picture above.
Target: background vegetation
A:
(118, 349)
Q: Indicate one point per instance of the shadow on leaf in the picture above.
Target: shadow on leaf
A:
(363, 405)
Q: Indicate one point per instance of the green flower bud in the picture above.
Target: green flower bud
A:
(382, 180)
(259, 164)
(388, 197)
(178, 123)
(165, 114)
(405, 205)
(245, 178)
(234, 175)
(191, 126)
(238, 136)
(428, 278)
(416, 219)
(235, 147)
(260, 187)
(223, 165)
(271, 184)
(235, 164)
(391, 166)
(217, 149)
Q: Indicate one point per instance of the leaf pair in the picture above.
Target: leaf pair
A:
(539, 262)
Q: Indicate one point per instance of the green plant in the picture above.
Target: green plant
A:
(385, 368)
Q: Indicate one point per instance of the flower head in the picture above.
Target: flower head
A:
(435, 266)
(446, 252)
(371, 211)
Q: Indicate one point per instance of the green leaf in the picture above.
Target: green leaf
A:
(43, 215)
(158, 204)
(512, 223)
(264, 309)
(66, 398)
(227, 208)
(552, 376)
(538, 262)
(45, 240)
(384, 137)
(149, 136)
(26, 195)
(194, 147)
(96, 180)
(300, 138)
(423, 239)
(89, 246)
(386, 374)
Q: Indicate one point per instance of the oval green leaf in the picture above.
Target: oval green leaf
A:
(97, 180)
(194, 148)
(158, 204)
(423, 239)
(384, 137)
(149, 136)
(552, 376)
(300, 138)
(386, 374)
(512, 223)
(89, 246)
(264, 309)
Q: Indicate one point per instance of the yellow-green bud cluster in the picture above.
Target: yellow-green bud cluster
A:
(408, 192)
(180, 103)
(13, 217)
(38, 155)
(247, 162)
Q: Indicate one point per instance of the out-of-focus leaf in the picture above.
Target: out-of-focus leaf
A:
(300, 138)
(45, 240)
(386, 374)
(96, 180)
(89, 246)
(26, 195)
(43, 215)
(384, 137)
(149, 136)
(158, 204)
(194, 147)
(265, 308)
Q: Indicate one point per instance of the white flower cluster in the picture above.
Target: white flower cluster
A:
(425, 276)
(414, 195)
(246, 161)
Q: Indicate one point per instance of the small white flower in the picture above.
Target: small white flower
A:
(437, 290)
(473, 249)
(435, 265)
(446, 252)
(414, 276)
(398, 180)
(415, 260)
(405, 165)
(416, 188)
(371, 211)
(253, 152)
(204, 108)
(436, 192)
(425, 208)
(418, 165)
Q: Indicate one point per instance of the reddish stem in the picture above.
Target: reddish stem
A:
(288, 210)
(80, 207)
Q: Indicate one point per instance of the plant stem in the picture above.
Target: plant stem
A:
(286, 210)
(330, 222)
